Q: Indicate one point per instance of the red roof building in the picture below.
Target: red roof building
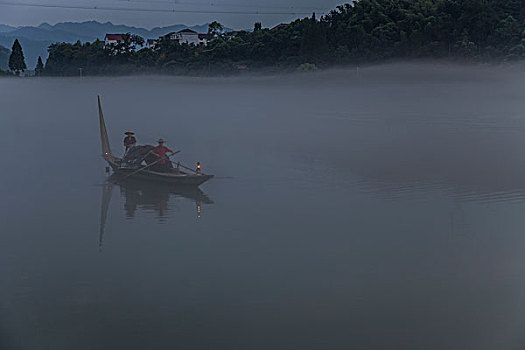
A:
(112, 40)
(282, 25)
(114, 37)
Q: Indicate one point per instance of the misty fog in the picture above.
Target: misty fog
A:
(371, 207)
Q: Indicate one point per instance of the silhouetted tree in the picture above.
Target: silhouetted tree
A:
(17, 61)
(39, 66)
(215, 29)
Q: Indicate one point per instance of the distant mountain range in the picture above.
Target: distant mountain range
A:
(35, 40)
(4, 28)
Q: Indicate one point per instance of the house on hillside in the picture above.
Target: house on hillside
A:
(113, 39)
(279, 26)
(186, 36)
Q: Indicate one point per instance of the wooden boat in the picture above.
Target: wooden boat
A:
(183, 178)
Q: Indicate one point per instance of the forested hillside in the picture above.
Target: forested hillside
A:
(367, 31)
(36, 39)
(4, 57)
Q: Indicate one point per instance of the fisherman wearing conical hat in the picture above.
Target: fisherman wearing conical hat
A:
(129, 140)
(161, 151)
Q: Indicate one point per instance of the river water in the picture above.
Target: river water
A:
(379, 208)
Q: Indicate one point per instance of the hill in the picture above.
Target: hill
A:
(36, 40)
(362, 32)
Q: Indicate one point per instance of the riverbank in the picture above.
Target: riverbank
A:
(304, 69)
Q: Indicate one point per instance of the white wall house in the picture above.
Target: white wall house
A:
(187, 36)
(113, 39)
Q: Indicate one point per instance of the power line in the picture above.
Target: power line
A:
(214, 4)
(108, 8)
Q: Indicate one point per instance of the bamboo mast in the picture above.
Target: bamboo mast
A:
(106, 150)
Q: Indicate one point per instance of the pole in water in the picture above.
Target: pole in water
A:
(80, 72)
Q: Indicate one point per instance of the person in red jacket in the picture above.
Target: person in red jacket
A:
(161, 151)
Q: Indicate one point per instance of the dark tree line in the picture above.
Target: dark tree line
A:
(365, 31)
(483, 29)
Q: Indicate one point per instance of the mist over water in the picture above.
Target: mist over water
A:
(371, 208)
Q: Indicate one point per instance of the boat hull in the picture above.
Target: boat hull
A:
(168, 178)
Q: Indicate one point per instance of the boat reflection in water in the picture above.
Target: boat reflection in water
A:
(147, 196)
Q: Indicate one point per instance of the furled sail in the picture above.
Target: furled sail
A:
(106, 150)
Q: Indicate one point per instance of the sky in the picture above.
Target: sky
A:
(237, 14)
